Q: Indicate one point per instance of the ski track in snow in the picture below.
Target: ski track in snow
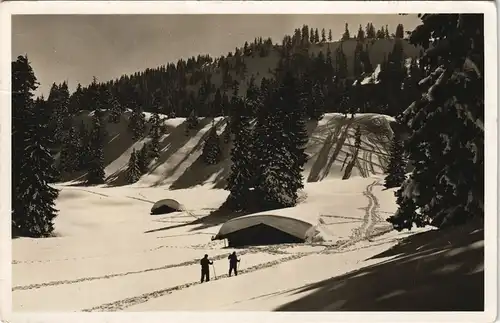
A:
(88, 191)
(371, 218)
(131, 301)
(79, 280)
(122, 304)
(364, 232)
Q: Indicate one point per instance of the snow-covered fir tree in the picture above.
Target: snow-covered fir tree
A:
(217, 105)
(137, 123)
(70, 153)
(155, 133)
(397, 165)
(280, 143)
(340, 63)
(446, 143)
(33, 199)
(143, 158)
(115, 109)
(236, 106)
(240, 180)
(212, 152)
(294, 121)
(61, 113)
(274, 161)
(75, 100)
(133, 169)
(317, 103)
(85, 147)
(192, 121)
(95, 172)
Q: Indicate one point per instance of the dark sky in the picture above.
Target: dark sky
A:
(76, 47)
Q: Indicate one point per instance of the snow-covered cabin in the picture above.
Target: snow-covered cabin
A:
(265, 229)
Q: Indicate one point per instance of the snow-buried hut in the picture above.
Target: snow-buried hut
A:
(166, 206)
(266, 229)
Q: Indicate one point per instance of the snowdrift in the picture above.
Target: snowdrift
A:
(166, 206)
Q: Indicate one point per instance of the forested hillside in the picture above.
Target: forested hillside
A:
(271, 100)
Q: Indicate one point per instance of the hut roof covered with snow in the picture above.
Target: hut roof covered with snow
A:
(280, 226)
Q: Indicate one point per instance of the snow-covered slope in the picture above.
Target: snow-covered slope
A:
(133, 253)
(111, 255)
(330, 150)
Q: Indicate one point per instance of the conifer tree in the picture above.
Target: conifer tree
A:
(115, 109)
(217, 107)
(330, 37)
(281, 156)
(312, 39)
(137, 123)
(33, 199)
(75, 100)
(133, 170)
(143, 158)
(365, 60)
(323, 35)
(240, 182)
(252, 98)
(316, 36)
(340, 63)
(361, 34)
(52, 107)
(191, 122)
(155, 134)
(386, 32)
(84, 147)
(95, 173)
(59, 104)
(397, 166)
(358, 65)
(317, 103)
(212, 152)
(44, 114)
(446, 142)
(400, 33)
(304, 35)
(370, 31)
(70, 153)
(381, 33)
(225, 104)
(347, 34)
(155, 131)
(236, 107)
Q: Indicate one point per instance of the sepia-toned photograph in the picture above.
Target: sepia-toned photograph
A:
(248, 162)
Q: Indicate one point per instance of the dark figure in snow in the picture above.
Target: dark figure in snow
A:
(233, 263)
(205, 269)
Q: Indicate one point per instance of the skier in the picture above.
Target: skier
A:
(233, 261)
(205, 269)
